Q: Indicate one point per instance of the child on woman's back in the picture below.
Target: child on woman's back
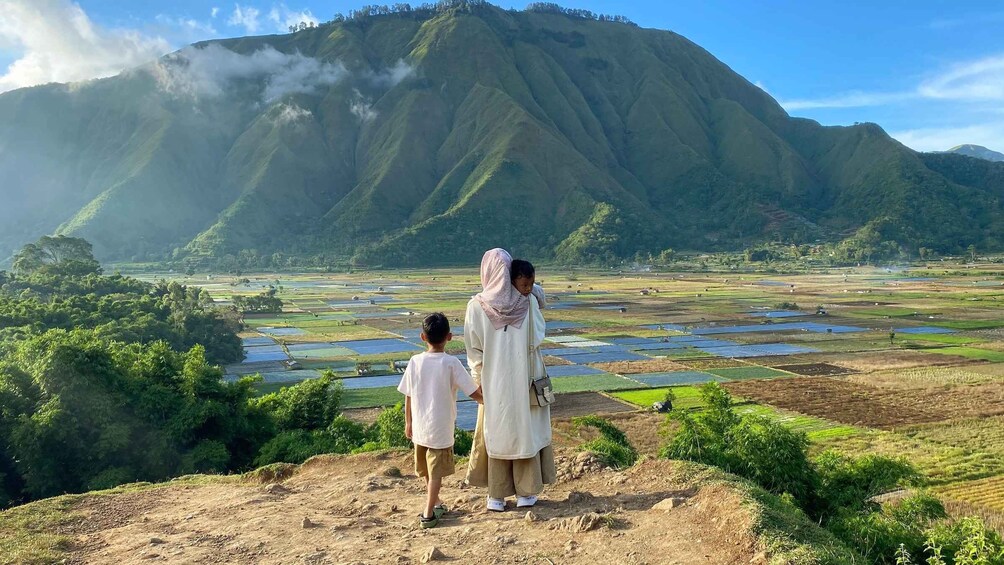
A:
(430, 385)
(524, 276)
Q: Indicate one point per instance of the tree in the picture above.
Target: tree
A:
(971, 250)
(70, 255)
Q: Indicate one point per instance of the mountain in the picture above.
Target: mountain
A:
(429, 135)
(977, 151)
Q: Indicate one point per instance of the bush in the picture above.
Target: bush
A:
(309, 405)
(463, 441)
(888, 533)
(390, 427)
(612, 447)
(846, 482)
(965, 542)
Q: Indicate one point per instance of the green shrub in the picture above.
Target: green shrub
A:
(309, 405)
(888, 534)
(390, 427)
(965, 542)
(846, 482)
(463, 441)
(755, 447)
(612, 447)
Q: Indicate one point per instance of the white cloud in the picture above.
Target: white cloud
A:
(283, 17)
(854, 99)
(208, 71)
(391, 77)
(362, 108)
(214, 12)
(761, 86)
(989, 135)
(290, 113)
(58, 42)
(246, 16)
(982, 79)
(188, 25)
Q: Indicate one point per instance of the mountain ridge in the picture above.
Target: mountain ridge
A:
(575, 139)
(977, 151)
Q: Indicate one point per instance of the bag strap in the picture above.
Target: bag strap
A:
(530, 360)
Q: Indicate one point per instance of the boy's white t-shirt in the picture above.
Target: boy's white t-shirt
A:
(432, 381)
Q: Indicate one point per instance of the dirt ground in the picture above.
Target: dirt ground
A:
(638, 367)
(860, 404)
(879, 360)
(338, 510)
(814, 369)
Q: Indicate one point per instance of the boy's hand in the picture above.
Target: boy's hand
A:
(407, 430)
(477, 397)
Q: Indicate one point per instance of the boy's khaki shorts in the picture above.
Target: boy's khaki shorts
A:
(434, 463)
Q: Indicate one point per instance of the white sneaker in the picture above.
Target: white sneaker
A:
(495, 504)
(525, 501)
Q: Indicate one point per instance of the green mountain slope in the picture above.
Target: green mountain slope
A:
(428, 136)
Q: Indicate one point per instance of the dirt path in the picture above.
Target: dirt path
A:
(359, 514)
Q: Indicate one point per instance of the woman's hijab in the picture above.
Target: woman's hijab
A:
(500, 300)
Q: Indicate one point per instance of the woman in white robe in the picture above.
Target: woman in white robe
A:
(512, 452)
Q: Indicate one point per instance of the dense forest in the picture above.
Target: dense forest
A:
(106, 380)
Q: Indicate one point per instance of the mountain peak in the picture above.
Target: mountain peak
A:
(977, 151)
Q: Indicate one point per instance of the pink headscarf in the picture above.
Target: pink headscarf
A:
(500, 300)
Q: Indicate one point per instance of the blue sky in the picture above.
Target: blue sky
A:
(930, 72)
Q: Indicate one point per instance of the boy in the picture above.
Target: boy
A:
(429, 386)
(523, 276)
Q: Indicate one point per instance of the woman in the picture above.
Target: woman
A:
(512, 440)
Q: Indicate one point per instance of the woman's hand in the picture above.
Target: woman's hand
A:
(477, 396)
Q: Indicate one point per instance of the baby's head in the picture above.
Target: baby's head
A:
(436, 330)
(523, 275)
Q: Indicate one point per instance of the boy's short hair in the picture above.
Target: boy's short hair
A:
(521, 268)
(435, 327)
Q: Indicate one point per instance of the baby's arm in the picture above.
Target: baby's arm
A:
(407, 417)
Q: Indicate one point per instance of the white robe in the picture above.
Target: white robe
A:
(498, 361)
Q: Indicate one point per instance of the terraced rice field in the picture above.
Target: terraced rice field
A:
(932, 392)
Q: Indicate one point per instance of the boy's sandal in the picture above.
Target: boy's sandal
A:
(426, 523)
(439, 509)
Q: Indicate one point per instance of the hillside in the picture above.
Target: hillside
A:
(358, 512)
(572, 138)
(977, 151)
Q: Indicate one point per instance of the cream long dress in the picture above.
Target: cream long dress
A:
(512, 440)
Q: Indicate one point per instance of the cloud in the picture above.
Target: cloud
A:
(290, 113)
(392, 76)
(283, 17)
(189, 25)
(214, 12)
(58, 42)
(982, 79)
(208, 71)
(971, 81)
(362, 108)
(246, 16)
(988, 134)
(853, 99)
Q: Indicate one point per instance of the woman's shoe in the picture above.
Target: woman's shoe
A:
(495, 504)
(525, 501)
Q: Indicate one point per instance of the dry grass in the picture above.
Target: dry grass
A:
(713, 363)
(882, 360)
(924, 377)
(636, 367)
(960, 509)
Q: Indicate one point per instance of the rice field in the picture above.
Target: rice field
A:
(904, 363)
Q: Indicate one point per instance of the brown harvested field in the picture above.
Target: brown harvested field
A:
(638, 367)
(864, 405)
(712, 363)
(993, 369)
(572, 404)
(641, 427)
(814, 369)
(551, 360)
(880, 360)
